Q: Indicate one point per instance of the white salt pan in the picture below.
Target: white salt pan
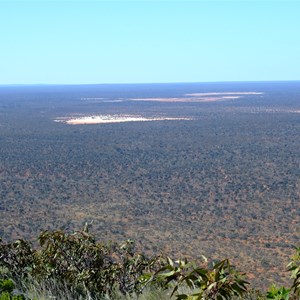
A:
(107, 119)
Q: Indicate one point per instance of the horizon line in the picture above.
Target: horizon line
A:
(146, 83)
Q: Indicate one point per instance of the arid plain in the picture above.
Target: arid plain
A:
(192, 169)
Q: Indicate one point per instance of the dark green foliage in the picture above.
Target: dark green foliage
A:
(6, 285)
(6, 290)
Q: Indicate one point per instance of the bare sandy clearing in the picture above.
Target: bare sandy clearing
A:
(231, 97)
(201, 97)
(194, 99)
(224, 93)
(108, 119)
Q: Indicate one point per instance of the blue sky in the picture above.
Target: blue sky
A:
(62, 42)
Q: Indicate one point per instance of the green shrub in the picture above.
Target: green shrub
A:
(6, 285)
(6, 290)
(278, 293)
(220, 281)
(294, 268)
(79, 262)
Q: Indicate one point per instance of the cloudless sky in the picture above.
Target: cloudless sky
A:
(59, 42)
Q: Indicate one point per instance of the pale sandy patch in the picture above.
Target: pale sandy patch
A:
(184, 99)
(231, 97)
(108, 119)
(201, 97)
(224, 93)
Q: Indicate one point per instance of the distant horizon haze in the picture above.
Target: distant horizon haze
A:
(150, 83)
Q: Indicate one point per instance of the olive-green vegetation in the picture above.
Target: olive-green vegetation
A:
(76, 266)
(225, 184)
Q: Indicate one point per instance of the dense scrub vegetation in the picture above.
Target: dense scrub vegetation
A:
(228, 180)
(76, 266)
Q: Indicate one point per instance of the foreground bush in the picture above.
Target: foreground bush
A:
(79, 262)
(218, 281)
(76, 266)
